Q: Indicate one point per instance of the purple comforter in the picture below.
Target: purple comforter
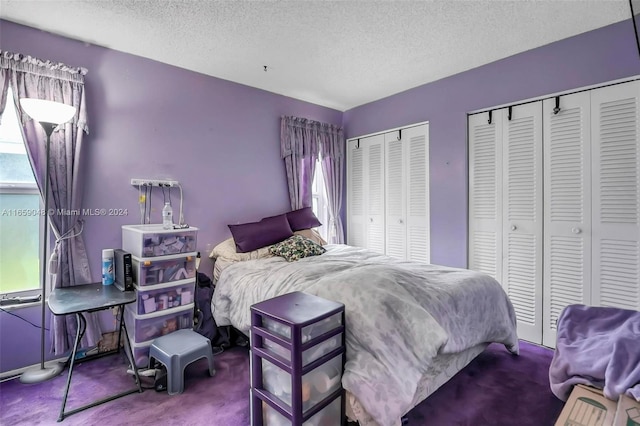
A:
(597, 346)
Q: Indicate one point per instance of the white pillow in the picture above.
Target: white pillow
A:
(227, 250)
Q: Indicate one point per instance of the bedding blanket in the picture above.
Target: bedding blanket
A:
(597, 346)
(399, 315)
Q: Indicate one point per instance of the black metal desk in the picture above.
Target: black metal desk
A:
(90, 298)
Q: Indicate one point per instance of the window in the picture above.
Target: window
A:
(319, 200)
(20, 208)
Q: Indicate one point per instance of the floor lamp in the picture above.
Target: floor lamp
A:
(49, 114)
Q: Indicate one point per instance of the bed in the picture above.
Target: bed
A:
(410, 326)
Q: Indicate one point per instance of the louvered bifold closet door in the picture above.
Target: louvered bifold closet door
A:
(375, 223)
(416, 140)
(356, 207)
(395, 195)
(567, 208)
(485, 193)
(522, 216)
(615, 133)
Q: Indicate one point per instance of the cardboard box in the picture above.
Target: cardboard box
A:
(587, 406)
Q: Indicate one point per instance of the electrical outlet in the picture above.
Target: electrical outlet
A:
(166, 183)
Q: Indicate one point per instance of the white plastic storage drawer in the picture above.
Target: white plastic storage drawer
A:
(141, 353)
(309, 332)
(329, 415)
(317, 384)
(164, 296)
(308, 355)
(153, 240)
(150, 326)
(163, 269)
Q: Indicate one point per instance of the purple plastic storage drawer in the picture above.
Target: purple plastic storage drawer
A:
(153, 240)
(163, 269)
(165, 296)
(308, 355)
(328, 416)
(308, 332)
(317, 384)
(150, 326)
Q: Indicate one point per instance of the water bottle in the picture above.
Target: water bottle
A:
(107, 267)
(167, 216)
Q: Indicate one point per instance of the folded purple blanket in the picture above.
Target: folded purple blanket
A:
(597, 346)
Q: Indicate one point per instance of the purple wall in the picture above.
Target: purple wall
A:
(220, 139)
(598, 56)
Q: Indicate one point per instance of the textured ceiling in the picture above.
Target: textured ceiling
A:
(339, 54)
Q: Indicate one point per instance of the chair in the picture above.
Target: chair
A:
(177, 350)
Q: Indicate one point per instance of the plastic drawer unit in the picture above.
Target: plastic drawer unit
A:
(160, 297)
(150, 326)
(153, 240)
(163, 269)
(297, 361)
(141, 353)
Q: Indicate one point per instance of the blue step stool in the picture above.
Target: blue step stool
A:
(177, 350)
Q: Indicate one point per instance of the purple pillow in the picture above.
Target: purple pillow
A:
(302, 219)
(255, 235)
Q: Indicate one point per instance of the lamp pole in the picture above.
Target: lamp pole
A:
(37, 375)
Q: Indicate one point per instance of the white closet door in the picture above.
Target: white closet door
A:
(416, 141)
(395, 195)
(356, 207)
(485, 194)
(522, 216)
(615, 133)
(567, 208)
(375, 225)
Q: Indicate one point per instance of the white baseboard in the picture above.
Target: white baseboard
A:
(13, 374)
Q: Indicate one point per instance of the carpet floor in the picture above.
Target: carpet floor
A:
(496, 388)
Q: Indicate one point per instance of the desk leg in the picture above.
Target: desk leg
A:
(81, 325)
(128, 353)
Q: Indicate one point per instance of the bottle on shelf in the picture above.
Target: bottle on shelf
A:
(167, 216)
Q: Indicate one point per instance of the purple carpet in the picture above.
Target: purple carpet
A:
(494, 389)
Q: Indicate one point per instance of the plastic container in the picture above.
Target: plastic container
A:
(165, 296)
(308, 355)
(329, 415)
(150, 326)
(153, 240)
(141, 353)
(316, 384)
(309, 332)
(163, 269)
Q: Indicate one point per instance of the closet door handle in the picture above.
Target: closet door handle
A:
(513, 227)
(400, 221)
(576, 230)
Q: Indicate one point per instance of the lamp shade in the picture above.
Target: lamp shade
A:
(47, 111)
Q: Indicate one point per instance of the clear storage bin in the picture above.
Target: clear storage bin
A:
(163, 269)
(316, 384)
(329, 415)
(164, 296)
(153, 240)
(141, 353)
(308, 355)
(150, 326)
(309, 332)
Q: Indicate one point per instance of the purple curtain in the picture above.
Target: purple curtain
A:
(301, 142)
(332, 154)
(299, 149)
(34, 78)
